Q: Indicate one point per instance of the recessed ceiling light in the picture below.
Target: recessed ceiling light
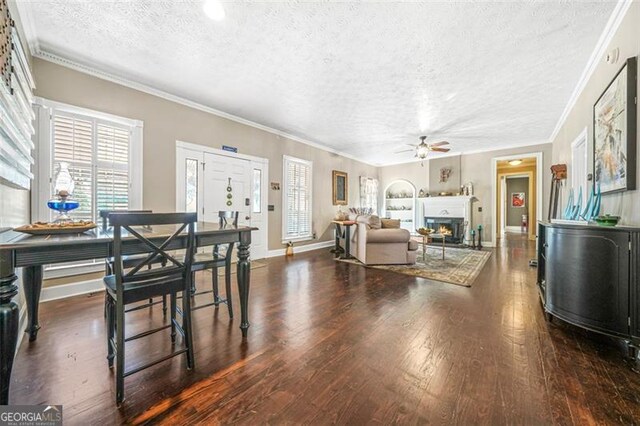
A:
(214, 9)
(515, 162)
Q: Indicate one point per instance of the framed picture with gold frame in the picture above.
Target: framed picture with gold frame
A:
(340, 188)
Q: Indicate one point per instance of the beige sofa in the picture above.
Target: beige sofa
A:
(373, 245)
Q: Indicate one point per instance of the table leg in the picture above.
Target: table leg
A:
(337, 248)
(244, 278)
(32, 278)
(9, 318)
(443, 241)
(347, 242)
(425, 240)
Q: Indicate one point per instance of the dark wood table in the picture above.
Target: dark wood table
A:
(33, 252)
(346, 224)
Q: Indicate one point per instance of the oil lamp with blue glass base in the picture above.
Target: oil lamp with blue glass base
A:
(62, 203)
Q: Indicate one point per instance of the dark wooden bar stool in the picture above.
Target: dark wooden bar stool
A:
(138, 283)
(220, 257)
(130, 261)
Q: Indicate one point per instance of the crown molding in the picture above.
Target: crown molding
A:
(85, 69)
(610, 29)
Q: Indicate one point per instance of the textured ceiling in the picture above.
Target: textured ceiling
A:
(362, 78)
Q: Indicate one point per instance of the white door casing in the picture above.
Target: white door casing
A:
(213, 179)
(579, 166)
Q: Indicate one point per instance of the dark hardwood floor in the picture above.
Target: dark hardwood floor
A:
(337, 343)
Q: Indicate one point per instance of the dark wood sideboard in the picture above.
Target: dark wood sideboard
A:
(588, 276)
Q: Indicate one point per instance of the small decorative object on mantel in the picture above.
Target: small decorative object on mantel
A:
(614, 132)
(421, 193)
(340, 188)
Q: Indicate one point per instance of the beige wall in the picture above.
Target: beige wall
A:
(454, 181)
(627, 39)
(166, 121)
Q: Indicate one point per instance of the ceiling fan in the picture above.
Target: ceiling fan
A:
(422, 149)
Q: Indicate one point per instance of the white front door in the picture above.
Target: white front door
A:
(203, 177)
(236, 184)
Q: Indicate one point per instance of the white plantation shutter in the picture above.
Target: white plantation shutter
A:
(73, 144)
(112, 165)
(98, 153)
(297, 199)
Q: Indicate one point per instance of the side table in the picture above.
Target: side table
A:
(346, 224)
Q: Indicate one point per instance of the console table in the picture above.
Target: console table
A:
(588, 276)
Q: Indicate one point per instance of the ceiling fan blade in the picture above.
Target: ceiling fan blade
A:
(440, 149)
(406, 150)
(439, 143)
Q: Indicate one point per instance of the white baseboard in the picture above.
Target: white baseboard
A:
(73, 289)
(516, 229)
(302, 249)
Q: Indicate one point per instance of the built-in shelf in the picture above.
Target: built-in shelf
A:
(406, 215)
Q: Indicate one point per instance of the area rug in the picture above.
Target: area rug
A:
(460, 266)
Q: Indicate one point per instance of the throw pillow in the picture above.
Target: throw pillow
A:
(374, 222)
(390, 223)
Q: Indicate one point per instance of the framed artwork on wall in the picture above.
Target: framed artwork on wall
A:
(517, 199)
(614, 132)
(340, 188)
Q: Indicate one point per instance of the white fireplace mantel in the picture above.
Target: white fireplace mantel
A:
(458, 207)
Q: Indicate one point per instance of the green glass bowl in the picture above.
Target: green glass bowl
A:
(607, 220)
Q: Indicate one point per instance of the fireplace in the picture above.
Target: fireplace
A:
(450, 225)
(453, 213)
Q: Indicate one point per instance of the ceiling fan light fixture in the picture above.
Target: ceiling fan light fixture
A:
(422, 150)
(214, 10)
(515, 162)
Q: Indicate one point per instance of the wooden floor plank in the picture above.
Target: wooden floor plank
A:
(332, 342)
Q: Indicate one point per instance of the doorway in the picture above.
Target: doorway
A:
(516, 195)
(514, 203)
(209, 180)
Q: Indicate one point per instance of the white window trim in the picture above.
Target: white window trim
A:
(40, 193)
(285, 239)
(43, 152)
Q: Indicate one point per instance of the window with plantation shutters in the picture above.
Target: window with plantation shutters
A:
(97, 153)
(296, 199)
(103, 153)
